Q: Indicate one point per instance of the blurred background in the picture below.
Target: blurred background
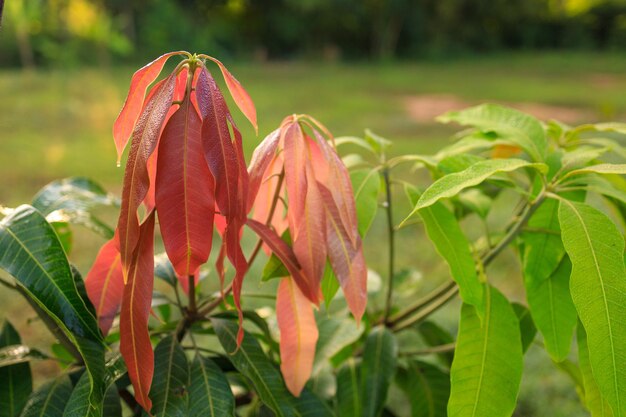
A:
(388, 65)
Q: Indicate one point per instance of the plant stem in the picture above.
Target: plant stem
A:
(392, 246)
(191, 310)
(438, 298)
(449, 347)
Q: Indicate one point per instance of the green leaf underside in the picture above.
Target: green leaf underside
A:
(330, 285)
(434, 335)
(450, 241)
(510, 125)
(252, 362)
(16, 381)
(487, 366)
(598, 288)
(427, 388)
(377, 369)
(31, 252)
(78, 403)
(452, 184)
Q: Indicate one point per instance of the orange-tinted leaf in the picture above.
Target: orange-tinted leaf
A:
(309, 242)
(135, 343)
(219, 150)
(505, 151)
(345, 258)
(262, 158)
(265, 198)
(105, 284)
(295, 156)
(184, 192)
(136, 176)
(239, 94)
(339, 184)
(298, 335)
(287, 257)
(125, 122)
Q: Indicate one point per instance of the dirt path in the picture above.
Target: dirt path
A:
(425, 108)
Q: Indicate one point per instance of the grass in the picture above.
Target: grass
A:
(55, 124)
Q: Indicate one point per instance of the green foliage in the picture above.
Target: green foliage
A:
(17, 379)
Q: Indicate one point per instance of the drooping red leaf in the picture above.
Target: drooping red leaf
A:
(309, 243)
(135, 344)
(239, 94)
(339, 184)
(345, 258)
(265, 199)
(298, 335)
(232, 237)
(184, 192)
(263, 156)
(105, 284)
(219, 150)
(287, 257)
(141, 80)
(136, 176)
(295, 157)
(179, 93)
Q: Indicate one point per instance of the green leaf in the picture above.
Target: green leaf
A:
(78, 403)
(330, 285)
(598, 169)
(16, 379)
(596, 249)
(378, 143)
(353, 140)
(527, 327)
(487, 366)
(553, 311)
(251, 361)
(581, 156)
(476, 201)
(349, 402)
(444, 231)
(377, 369)
(453, 184)
(366, 185)
(592, 396)
(427, 388)
(334, 335)
(434, 335)
(50, 399)
(510, 125)
(170, 381)
(543, 249)
(30, 251)
(164, 270)
(274, 267)
(112, 406)
(209, 391)
(458, 163)
(71, 200)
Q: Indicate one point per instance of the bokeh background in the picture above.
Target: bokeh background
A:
(388, 65)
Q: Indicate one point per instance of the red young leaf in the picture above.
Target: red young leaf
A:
(184, 192)
(136, 176)
(345, 258)
(265, 199)
(135, 343)
(295, 157)
(105, 284)
(239, 94)
(298, 335)
(179, 93)
(219, 150)
(125, 122)
(232, 237)
(287, 257)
